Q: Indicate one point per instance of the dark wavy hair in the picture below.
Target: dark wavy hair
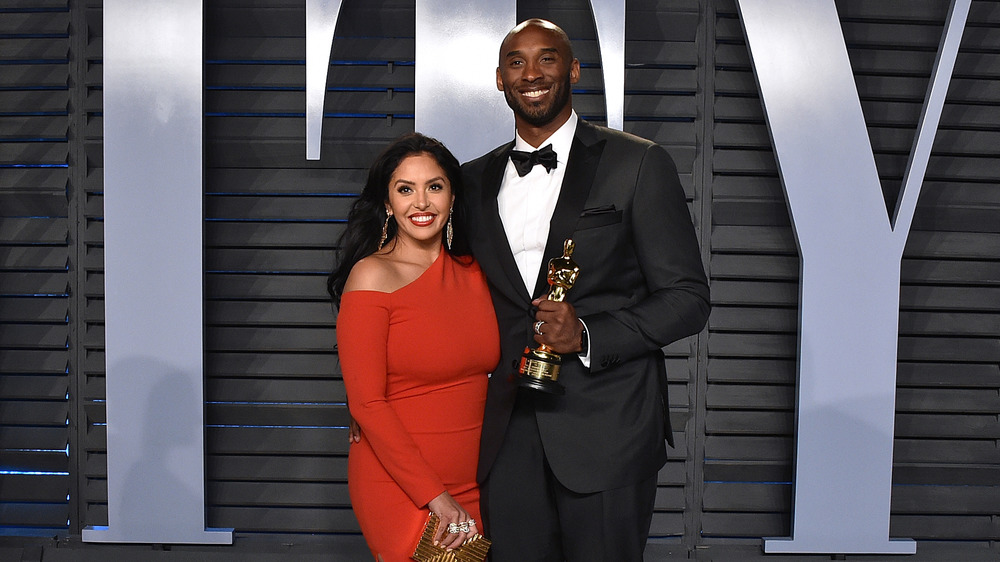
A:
(364, 222)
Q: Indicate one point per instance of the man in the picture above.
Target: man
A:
(573, 476)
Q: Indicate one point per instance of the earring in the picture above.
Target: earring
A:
(450, 233)
(385, 232)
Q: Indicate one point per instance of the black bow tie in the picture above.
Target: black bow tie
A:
(525, 161)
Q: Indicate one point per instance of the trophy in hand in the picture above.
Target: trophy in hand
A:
(540, 367)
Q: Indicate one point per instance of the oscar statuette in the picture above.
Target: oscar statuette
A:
(539, 367)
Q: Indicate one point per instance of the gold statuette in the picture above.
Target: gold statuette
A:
(474, 548)
(540, 366)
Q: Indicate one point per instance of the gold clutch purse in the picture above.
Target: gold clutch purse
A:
(473, 550)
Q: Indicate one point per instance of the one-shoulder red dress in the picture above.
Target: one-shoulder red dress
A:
(415, 364)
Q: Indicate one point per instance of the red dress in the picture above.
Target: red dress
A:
(415, 364)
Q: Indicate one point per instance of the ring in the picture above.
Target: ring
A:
(455, 528)
(538, 327)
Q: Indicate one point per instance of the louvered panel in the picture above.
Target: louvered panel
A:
(48, 439)
(663, 97)
(272, 384)
(281, 494)
(290, 48)
(277, 446)
(50, 258)
(751, 370)
(292, 103)
(938, 451)
(28, 362)
(275, 338)
(51, 413)
(92, 440)
(36, 388)
(948, 528)
(275, 440)
(889, 48)
(272, 414)
(295, 389)
(32, 127)
(261, 75)
(32, 179)
(229, 260)
(30, 514)
(268, 313)
(34, 277)
(747, 525)
(298, 180)
(954, 424)
(268, 365)
(276, 208)
(295, 519)
(264, 468)
(751, 422)
(269, 286)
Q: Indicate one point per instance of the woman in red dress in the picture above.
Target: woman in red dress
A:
(416, 336)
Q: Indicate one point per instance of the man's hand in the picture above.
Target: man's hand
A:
(561, 329)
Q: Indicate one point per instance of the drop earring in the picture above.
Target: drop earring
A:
(385, 232)
(449, 232)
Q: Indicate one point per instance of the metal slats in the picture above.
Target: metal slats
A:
(276, 458)
(34, 277)
(947, 402)
(276, 411)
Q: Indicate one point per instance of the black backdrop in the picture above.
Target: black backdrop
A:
(275, 414)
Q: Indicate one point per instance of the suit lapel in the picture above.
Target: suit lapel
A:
(498, 262)
(581, 167)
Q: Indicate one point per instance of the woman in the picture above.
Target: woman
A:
(416, 337)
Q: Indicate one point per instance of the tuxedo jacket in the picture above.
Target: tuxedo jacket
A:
(641, 286)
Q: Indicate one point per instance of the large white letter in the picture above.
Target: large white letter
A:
(457, 48)
(321, 22)
(457, 102)
(153, 274)
(851, 252)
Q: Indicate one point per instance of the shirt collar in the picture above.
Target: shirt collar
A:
(562, 139)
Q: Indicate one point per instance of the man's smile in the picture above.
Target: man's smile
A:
(534, 93)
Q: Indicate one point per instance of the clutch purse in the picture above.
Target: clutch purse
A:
(473, 550)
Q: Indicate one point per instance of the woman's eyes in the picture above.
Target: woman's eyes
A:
(409, 189)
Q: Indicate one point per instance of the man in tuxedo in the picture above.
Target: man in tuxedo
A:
(573, 476)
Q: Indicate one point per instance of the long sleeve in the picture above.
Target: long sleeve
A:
(362, 339)
(677, 303)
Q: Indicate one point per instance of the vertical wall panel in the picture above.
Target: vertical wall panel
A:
(276, 406)
(35, 296)
(276, 416)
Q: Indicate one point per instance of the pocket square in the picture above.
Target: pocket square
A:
(598, 210)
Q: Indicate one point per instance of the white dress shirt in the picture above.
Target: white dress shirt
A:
(526, 205)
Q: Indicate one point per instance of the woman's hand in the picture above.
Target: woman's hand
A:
(449, 511)
(353, 431)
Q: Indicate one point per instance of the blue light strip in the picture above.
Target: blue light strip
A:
(31, 473)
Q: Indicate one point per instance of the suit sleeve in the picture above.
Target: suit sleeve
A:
(677, 303)
(362, 339)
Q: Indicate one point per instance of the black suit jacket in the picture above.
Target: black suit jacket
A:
(641, 286)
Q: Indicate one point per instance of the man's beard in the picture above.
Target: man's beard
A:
(539, 116)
